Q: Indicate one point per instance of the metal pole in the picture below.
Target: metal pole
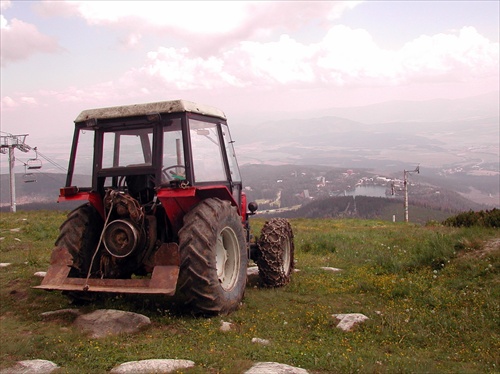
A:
(12, 177)
(406, 194)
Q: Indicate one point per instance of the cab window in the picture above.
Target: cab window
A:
(208, 164)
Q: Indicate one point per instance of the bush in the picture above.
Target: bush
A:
(488, 218)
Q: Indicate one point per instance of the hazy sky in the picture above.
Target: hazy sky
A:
(247, 58)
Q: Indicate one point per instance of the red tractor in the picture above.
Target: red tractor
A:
(164, 211)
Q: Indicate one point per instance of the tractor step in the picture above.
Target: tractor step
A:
(163, 279)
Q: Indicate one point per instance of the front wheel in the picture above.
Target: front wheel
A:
(214, 259)
(275, 253)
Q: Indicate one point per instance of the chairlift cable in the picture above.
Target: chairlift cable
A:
(52, 162)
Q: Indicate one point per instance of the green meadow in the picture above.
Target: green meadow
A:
(431, 292)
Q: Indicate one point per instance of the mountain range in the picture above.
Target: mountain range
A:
(455, 143)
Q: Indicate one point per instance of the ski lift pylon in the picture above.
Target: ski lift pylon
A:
(34, 163)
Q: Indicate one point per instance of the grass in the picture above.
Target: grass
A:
(431, 293)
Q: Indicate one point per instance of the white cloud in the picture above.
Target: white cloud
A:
(193, 16)
(459, 56)
(132, 40)
(20, 40)
(8, 102)
(3, 22)
(344, 57)
(28, 100)
(5, 4)
(177, 68)
(219, 23)
(284, 61)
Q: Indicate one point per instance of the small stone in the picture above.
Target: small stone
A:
(40, 274)
(274, 368)
(151, 366)
(226, 326)
(31, 366)
(4, 264)
(260, 341)
(335, 270)
(61, 312)
(348, 321)
(17, 229)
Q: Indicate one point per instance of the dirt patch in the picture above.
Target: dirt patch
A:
(489, 247)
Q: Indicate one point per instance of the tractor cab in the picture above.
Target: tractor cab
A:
(145, 148)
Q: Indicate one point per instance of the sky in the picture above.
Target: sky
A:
(253, 60)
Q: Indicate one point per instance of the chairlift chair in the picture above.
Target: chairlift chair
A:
(28, 177)
(34, 163)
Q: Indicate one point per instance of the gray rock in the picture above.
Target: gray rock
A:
(101, 323)
(260, 341)
(151, 366)
(40, 274)
(335, 270)
(4, 264)
(274, 368)
(226, 326)
(31, 367)
(348, 321)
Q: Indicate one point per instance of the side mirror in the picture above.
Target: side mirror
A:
(252, 207)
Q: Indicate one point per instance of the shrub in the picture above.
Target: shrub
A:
(488, 218)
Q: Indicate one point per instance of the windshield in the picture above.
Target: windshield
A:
(208, 164)
(127, 148)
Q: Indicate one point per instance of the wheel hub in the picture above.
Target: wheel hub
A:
(227, 258)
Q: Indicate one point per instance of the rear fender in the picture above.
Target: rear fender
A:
(177, 202)
(93, 198)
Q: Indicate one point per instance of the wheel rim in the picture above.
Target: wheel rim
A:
(286, 256)
(227, 258)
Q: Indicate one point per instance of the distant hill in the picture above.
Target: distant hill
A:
(366, 207)
(427, 111)
(310, 188)
(37, 191)
(318, 192)
(456, 141)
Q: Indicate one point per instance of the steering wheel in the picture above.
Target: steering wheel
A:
(174, 176)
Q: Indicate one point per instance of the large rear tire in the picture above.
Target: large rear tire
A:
(275, 255)
(214, 258)
(79, 234)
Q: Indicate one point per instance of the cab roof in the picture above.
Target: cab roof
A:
(175, 106)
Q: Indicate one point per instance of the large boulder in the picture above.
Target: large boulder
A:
(104, 322)
(152, 366)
